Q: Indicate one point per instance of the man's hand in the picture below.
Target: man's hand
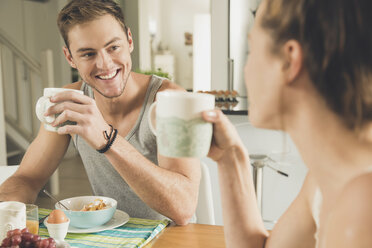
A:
(83, 110)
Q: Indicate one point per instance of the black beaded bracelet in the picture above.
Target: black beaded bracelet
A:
(105, 135)
(110, 139)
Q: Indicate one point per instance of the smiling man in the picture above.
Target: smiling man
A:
(124, 165)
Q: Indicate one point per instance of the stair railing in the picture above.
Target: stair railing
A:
(23, 79)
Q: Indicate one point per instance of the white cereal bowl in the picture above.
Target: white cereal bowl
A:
(87, 219)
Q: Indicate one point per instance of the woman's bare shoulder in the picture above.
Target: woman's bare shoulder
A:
(350, 223)
(357, 194)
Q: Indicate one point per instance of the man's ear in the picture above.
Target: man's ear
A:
(130, 40)
(68, 57)
(293, 60)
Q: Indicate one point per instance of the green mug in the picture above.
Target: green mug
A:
(178, 125)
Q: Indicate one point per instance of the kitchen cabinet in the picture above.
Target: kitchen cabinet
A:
(278, 191)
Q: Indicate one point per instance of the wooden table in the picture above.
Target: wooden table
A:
(191, 235)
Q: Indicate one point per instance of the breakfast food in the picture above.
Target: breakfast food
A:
(56, 217)
(24, 239)
(98, 204)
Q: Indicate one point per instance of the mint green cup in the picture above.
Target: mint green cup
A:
(178, 125)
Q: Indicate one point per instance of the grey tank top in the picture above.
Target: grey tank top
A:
(104, 179)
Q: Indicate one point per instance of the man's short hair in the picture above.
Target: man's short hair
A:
(81, 11)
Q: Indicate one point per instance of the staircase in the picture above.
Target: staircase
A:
(22, 80)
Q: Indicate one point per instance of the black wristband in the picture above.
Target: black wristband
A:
(105, 135)
(109, 141)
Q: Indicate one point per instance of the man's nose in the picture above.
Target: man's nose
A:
(104, 60)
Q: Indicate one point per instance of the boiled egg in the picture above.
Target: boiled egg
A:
(57, 216)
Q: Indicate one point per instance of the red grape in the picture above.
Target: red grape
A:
(24, 239)
(37, 244)
(36, 238)
(44, 243)
(16, 239)
(27, 244)
(6, 242)
(27, 236)
(16, 232)
(51, 240)
(9, 234)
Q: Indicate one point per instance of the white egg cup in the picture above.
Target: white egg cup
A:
(57, 231)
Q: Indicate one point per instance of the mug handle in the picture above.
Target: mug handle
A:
(41, 105)
(151, 117)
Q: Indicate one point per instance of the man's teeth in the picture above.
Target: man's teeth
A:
(109, 76)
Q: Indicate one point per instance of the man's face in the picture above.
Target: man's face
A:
(100, 51)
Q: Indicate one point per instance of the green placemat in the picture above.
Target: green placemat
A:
(134, 234)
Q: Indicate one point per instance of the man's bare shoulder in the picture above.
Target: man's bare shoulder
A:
(74, 86)
(351, 218)
(168, 85)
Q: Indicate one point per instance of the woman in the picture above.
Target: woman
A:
(309, 73)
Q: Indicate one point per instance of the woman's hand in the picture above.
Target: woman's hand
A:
(83, 110)
(225, 136)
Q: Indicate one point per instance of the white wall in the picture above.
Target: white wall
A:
(220, 45)
(131, 10)
(33, 26)
(3, 151)
(173, 18)
(202, 53)
(11, 20)
(147, 10)
(177, 17)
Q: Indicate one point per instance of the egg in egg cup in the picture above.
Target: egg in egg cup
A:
(57, 224)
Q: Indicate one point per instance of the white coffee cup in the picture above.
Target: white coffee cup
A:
(44, 103)
(12, 216)
(180, 129)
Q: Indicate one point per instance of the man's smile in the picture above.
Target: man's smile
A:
(108, 76)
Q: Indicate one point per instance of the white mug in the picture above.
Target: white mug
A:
(12, 216)
(44, 103)
(180, 129)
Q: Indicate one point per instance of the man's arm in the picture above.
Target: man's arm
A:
(38, 164)
(170, 188)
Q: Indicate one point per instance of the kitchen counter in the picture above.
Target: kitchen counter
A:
(240, 107)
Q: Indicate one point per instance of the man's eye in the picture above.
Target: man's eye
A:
(113, 48)
(87, 55)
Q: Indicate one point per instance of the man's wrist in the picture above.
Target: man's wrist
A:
(110, 137)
